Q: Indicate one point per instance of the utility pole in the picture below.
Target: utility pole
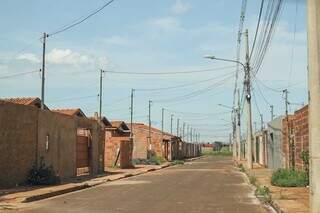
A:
(188, 133)
(289, 129)
(314, 101)
(261, 121)
(45, 35)
(149, 135)
(171, 123)
(100, 94)
(247, 85)
(183, 131)
(162, 121)
(271, 111)
(191, 135)
(131, 114)
(178, 125)
(238, 128)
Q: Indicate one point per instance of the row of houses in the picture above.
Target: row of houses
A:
(283, 142)
(73, 144)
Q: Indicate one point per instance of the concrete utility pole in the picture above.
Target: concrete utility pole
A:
(162, 121)
(188, 133)
(271, 111)
(178, 125)
(314, 101)
(100, 94)
(183, 131)
(131, 114)
(261, 122)
(191, 135)
(238, 128)
(45, 35)
(171, 123)
(290, 142)
(149, 135)
(247, 85)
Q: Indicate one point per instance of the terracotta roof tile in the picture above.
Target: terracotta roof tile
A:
(23, 100)
(70, 112)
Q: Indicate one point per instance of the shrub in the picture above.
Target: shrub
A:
(42, 175)
(304, 155)
(157, 160)
(289, 178)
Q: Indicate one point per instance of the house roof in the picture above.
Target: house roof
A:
(28, 101)
(104, 120)
(71, 112)
(120, 125)
(144, 126)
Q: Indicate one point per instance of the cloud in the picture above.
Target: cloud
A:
(67, 56)
(116, 40)
(29, 57)
(166, 23)
(180, 7)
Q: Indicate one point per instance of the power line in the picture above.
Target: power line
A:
(18, 74)
(184, 85)
(169, 73)
(77, 22)
(257, 28)
(73, 98)
(293, 43)
(195, 93)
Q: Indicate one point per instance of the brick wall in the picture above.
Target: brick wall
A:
(298, 125)
(301, 132)
(28, 134)
(113, 142)
(140, 141)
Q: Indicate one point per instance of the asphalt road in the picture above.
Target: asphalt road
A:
(206, 185)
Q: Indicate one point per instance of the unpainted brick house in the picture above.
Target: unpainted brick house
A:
(64, 141)
(118, 146)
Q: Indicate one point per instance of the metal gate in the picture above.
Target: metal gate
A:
(82, 153)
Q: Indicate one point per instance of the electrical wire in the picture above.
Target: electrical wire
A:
(73, 98)
(79, 21)
(257, 28)
(195, 93)
(184, 85)
(169, 73)
(18, 74)
(293, 43)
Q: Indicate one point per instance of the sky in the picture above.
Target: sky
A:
(150, 36)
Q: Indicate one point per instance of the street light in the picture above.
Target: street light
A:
(223, 59)
(236, 119)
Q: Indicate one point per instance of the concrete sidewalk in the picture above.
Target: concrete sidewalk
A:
(284, 199)
(15, 197)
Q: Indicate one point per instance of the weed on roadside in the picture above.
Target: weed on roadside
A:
(253, 180)
(177, 162)
(263, 193)
(241, 168)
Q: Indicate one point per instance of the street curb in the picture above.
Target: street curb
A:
(53, 194)
(87, 185)
(268, 204)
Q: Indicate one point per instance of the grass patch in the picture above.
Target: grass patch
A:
(263, 193)
(222, 152)
(289, 178)
(177, 162)
(253, 180)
